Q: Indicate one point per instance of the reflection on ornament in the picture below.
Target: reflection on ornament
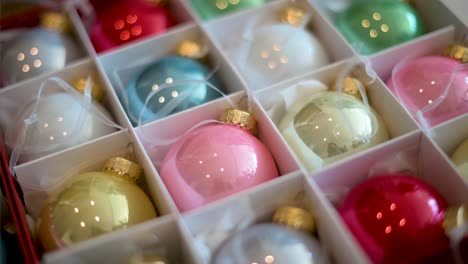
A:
(277, 52)
(40, 50)
(215, 161)
(167, 71)
(126, 21)
(418, 89)
(208, 9)
(396, 218)
(329, 127)
(93, 204)
(371, 26)
(61, 122)
(460, 158)
(270, 243)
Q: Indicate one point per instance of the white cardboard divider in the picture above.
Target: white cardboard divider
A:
(159, 237)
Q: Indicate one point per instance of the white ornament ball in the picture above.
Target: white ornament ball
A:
(278, 52)
(62, 122)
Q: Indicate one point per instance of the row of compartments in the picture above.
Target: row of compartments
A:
(222, 32)
(382, 100)
(193, 236)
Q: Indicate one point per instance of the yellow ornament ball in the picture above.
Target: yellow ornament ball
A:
(93, 204)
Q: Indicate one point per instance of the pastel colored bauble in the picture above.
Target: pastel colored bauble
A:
(371, 26)
(124, 21)
(277, 52)
(62, 122)
(93, 204)
(213, 162)
(420, 82)
(35, 52)
(208, 9)
(168, 70)
(460, 158)
(327, 127)
(270, 243)
(397, 219)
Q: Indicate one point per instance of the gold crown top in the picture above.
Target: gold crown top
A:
(240, 118)
(97, 91)
(56, 21)
(292, 15)
(458, 52)
(455, 217)
(192, 49)
(123, 167)
(295, 217)
(352, 86)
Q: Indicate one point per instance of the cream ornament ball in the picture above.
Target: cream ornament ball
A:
(277, 52)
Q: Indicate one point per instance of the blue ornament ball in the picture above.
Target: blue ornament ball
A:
(169, 70)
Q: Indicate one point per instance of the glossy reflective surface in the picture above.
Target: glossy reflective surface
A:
(213, 162)
(270, 244)
(396, 218)
(90, 205)
(418, 89)
(62, 122)
(208, 9)
(460, 158)
(331, 127)
(167, 71)
(35, 52)
(371, 26)
(278, 52)
(126, 21)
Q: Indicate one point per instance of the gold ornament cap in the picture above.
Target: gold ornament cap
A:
(352, 86)
(292, 15)
(148, 259)
(192, 49)
(56, 21)
(240, 118)
(455, 216)
(295, 217)
(458, 52)
(123, 167)
(97, 91)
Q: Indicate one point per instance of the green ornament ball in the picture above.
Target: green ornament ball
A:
(208, 9)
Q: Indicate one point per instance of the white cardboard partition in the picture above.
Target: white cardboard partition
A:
(179, 235)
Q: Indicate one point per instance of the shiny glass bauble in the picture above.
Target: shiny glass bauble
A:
(208, 9)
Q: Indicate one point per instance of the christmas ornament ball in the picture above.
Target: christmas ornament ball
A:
(93, 204)
(208, 9)
(396, 218)
(166, 71)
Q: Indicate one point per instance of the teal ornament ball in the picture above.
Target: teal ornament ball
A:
(371, 26)
(166, 101)
(208, 9)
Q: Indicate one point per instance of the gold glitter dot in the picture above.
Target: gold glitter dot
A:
(284, 59)
(264, 54)
(234, 2)
(373, 33)
(377, 16)
(25, 68)
(162, 99)
(34, 51)
(37, 63)
(155, 87)
(365, 23)
(222, 4)
(169, 80)
(175, 94)
(384, 28)
(20, 57)
(276, 47)
(272, 65)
